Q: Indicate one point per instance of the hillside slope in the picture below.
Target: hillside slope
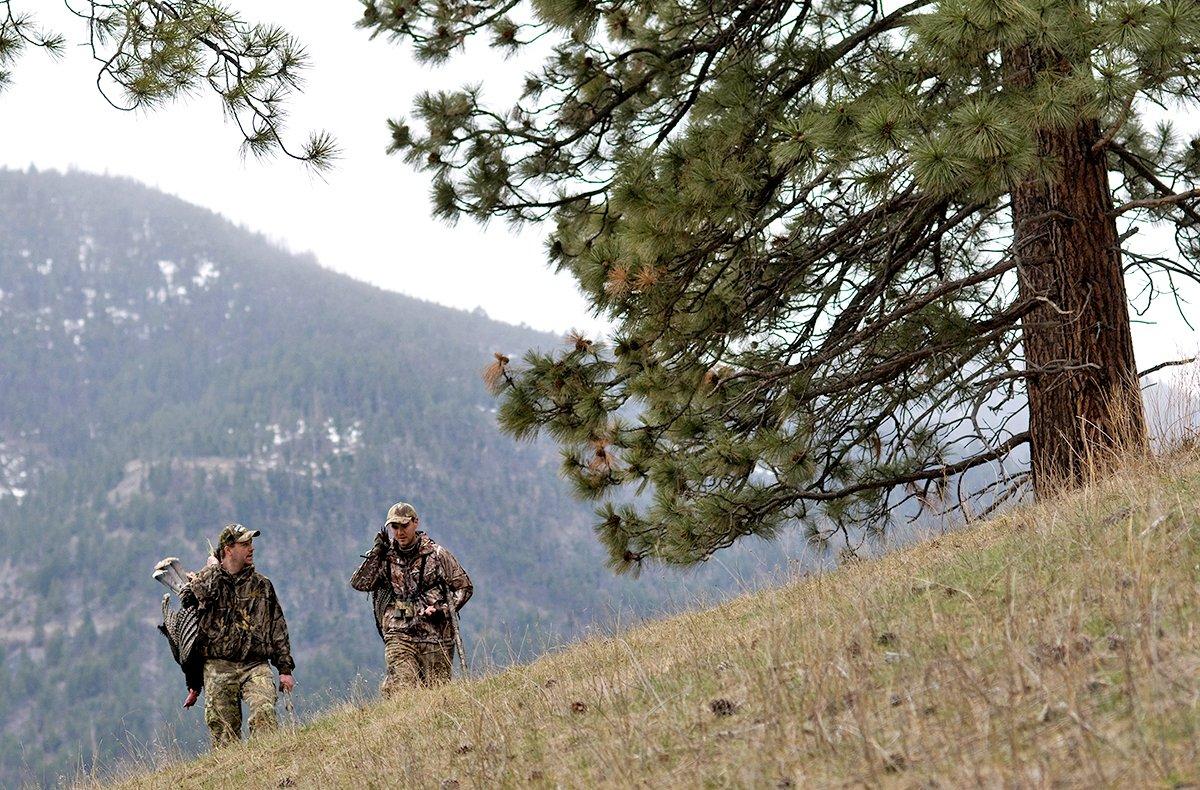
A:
(1054, 646)
(163, 372)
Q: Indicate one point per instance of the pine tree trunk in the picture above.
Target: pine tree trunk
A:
(1085, 404)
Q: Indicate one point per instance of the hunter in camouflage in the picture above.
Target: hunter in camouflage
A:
(414, 582)
(242, 626)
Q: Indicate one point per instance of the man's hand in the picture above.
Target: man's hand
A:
(381, 540)
(287, 683)
(434, 612)
(193, 695)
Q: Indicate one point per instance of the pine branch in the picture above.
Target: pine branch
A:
(934, 473)
(1145, 172)
(1158, 202)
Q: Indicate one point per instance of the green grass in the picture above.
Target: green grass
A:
(1055, 645)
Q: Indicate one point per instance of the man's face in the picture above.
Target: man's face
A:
(405, 534)
(241, 553)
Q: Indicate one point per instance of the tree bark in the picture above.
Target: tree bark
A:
(1085, 403)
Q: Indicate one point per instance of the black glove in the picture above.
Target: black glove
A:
(381, 542)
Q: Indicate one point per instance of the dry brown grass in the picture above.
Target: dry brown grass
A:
(1053, 646)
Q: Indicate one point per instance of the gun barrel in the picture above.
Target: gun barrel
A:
(458, 643)
(451, 604)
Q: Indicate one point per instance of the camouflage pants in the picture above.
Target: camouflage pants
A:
(226, 684)
(411, 663)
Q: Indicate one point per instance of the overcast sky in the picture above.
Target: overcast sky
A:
(369, 217)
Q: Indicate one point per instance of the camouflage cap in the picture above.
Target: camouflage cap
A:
(236, 533)
(401, 513)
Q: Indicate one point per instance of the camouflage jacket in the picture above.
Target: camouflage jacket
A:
(240, 617)
(404, 583)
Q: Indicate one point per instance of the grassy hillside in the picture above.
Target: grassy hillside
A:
(1056, 645)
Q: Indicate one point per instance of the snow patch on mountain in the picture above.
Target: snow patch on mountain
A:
(332, 438)
(87, 245)
(168, 269)
(119, 315)
(206, 272)
(14, 473)
(346, 440)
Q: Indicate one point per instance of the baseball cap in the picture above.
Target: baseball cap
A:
(401, 513)
(236, 533)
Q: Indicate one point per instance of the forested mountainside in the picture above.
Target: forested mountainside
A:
(163, 372)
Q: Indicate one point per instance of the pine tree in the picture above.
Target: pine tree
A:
(150, 52)
(842, 243)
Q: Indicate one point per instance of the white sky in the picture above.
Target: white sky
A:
(369, 217)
